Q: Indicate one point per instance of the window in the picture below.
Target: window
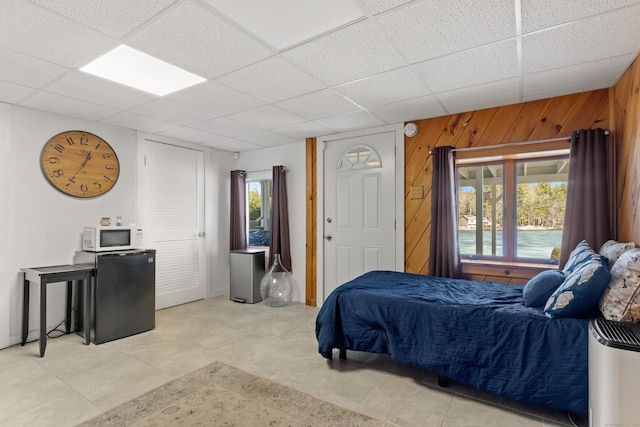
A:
(359, 157)
(259, 211)
(512, 209)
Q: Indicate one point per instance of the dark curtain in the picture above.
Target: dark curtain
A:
(444, 255)
(238, 210)
(587, 214)
(280, 219)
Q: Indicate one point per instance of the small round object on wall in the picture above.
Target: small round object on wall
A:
(80, 164)
(410, 129)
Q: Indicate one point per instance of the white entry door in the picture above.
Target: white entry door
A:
(174, 213)
(359, 207)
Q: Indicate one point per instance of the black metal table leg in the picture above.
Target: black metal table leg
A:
(25, 311)
(69, 297)
(86, 320)
(43, 316)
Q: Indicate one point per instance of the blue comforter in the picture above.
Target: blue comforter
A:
(475, 333)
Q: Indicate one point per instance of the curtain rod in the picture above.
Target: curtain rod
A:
(265, 170)
(510, 144)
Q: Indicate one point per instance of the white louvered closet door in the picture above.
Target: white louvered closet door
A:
(174, 178)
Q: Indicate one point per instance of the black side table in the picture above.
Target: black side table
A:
(53, 274)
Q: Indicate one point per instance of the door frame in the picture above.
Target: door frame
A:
(398, 128)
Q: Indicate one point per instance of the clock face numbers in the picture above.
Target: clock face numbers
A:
(80, 164)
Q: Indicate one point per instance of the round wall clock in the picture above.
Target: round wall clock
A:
(80, 164)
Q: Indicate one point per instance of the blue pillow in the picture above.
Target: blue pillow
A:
(538, 290)
(581, 254)
(580, 292)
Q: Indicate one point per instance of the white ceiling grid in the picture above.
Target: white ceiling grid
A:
(311, 71)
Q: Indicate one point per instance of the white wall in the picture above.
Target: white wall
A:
(292, 156)
(41, 226)
(45, 225)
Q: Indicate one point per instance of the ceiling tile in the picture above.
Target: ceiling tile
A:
(138, 122)
(539, 14)
(47, 35)
(284, 23)
(562, 81)
(267, 117)
(304, 130)
(267, 139)
(226, 127)
(193, 37)
(172, 111)
(428, 29)
(351, 53)
(13, 93)
(216, 98)
(496, 61)
(384, 88)
(378, 6)
(190, 134)
(99, 91)
(59, 104)
(116, 18)
(413, 109)
(599, 37)
(272, 80)
(488, 95)
(229, 144)
(319, 104)
(351, 121)
(26, 70)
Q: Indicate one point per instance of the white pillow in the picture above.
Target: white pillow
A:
(621, 300)
(612, 250)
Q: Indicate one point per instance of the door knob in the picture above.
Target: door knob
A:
(328, 237)
(329, 220)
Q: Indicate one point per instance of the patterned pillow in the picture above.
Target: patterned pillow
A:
(582, 253)
(621, 300)
(538, 290)
(581, 290)
(612, 250)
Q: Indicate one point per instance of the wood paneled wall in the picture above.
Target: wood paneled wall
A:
(543, 119)
(626, 106)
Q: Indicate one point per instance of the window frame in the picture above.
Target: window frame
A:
(508, 157)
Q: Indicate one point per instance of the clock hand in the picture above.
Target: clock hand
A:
(86, 159)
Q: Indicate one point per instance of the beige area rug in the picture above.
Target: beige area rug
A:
(221, 395)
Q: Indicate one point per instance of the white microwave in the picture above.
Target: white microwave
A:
(100, 239)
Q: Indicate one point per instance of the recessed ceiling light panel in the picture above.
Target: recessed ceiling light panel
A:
(133, 68)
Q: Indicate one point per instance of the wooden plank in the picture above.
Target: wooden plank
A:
(311, 224)
(554, 117)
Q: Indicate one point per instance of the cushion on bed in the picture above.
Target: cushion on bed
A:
(580, 293)
(581, 254)
(613, 249)
(620, 300)
(538, 290)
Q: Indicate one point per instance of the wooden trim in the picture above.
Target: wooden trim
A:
(311, 224)
(507, 271)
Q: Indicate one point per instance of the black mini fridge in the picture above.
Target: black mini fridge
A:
(123, 293)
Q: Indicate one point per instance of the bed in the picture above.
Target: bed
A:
(476, 333)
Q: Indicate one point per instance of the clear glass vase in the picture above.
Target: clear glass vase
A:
(277, 285)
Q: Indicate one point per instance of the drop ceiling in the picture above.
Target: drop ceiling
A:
(278, 72)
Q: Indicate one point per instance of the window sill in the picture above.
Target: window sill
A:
(514, 271)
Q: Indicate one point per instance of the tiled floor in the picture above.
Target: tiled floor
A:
(74, 382)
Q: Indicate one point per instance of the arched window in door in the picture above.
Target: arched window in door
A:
(359, 157)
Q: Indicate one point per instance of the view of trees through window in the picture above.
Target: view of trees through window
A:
(538, 204)
(259, 212)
